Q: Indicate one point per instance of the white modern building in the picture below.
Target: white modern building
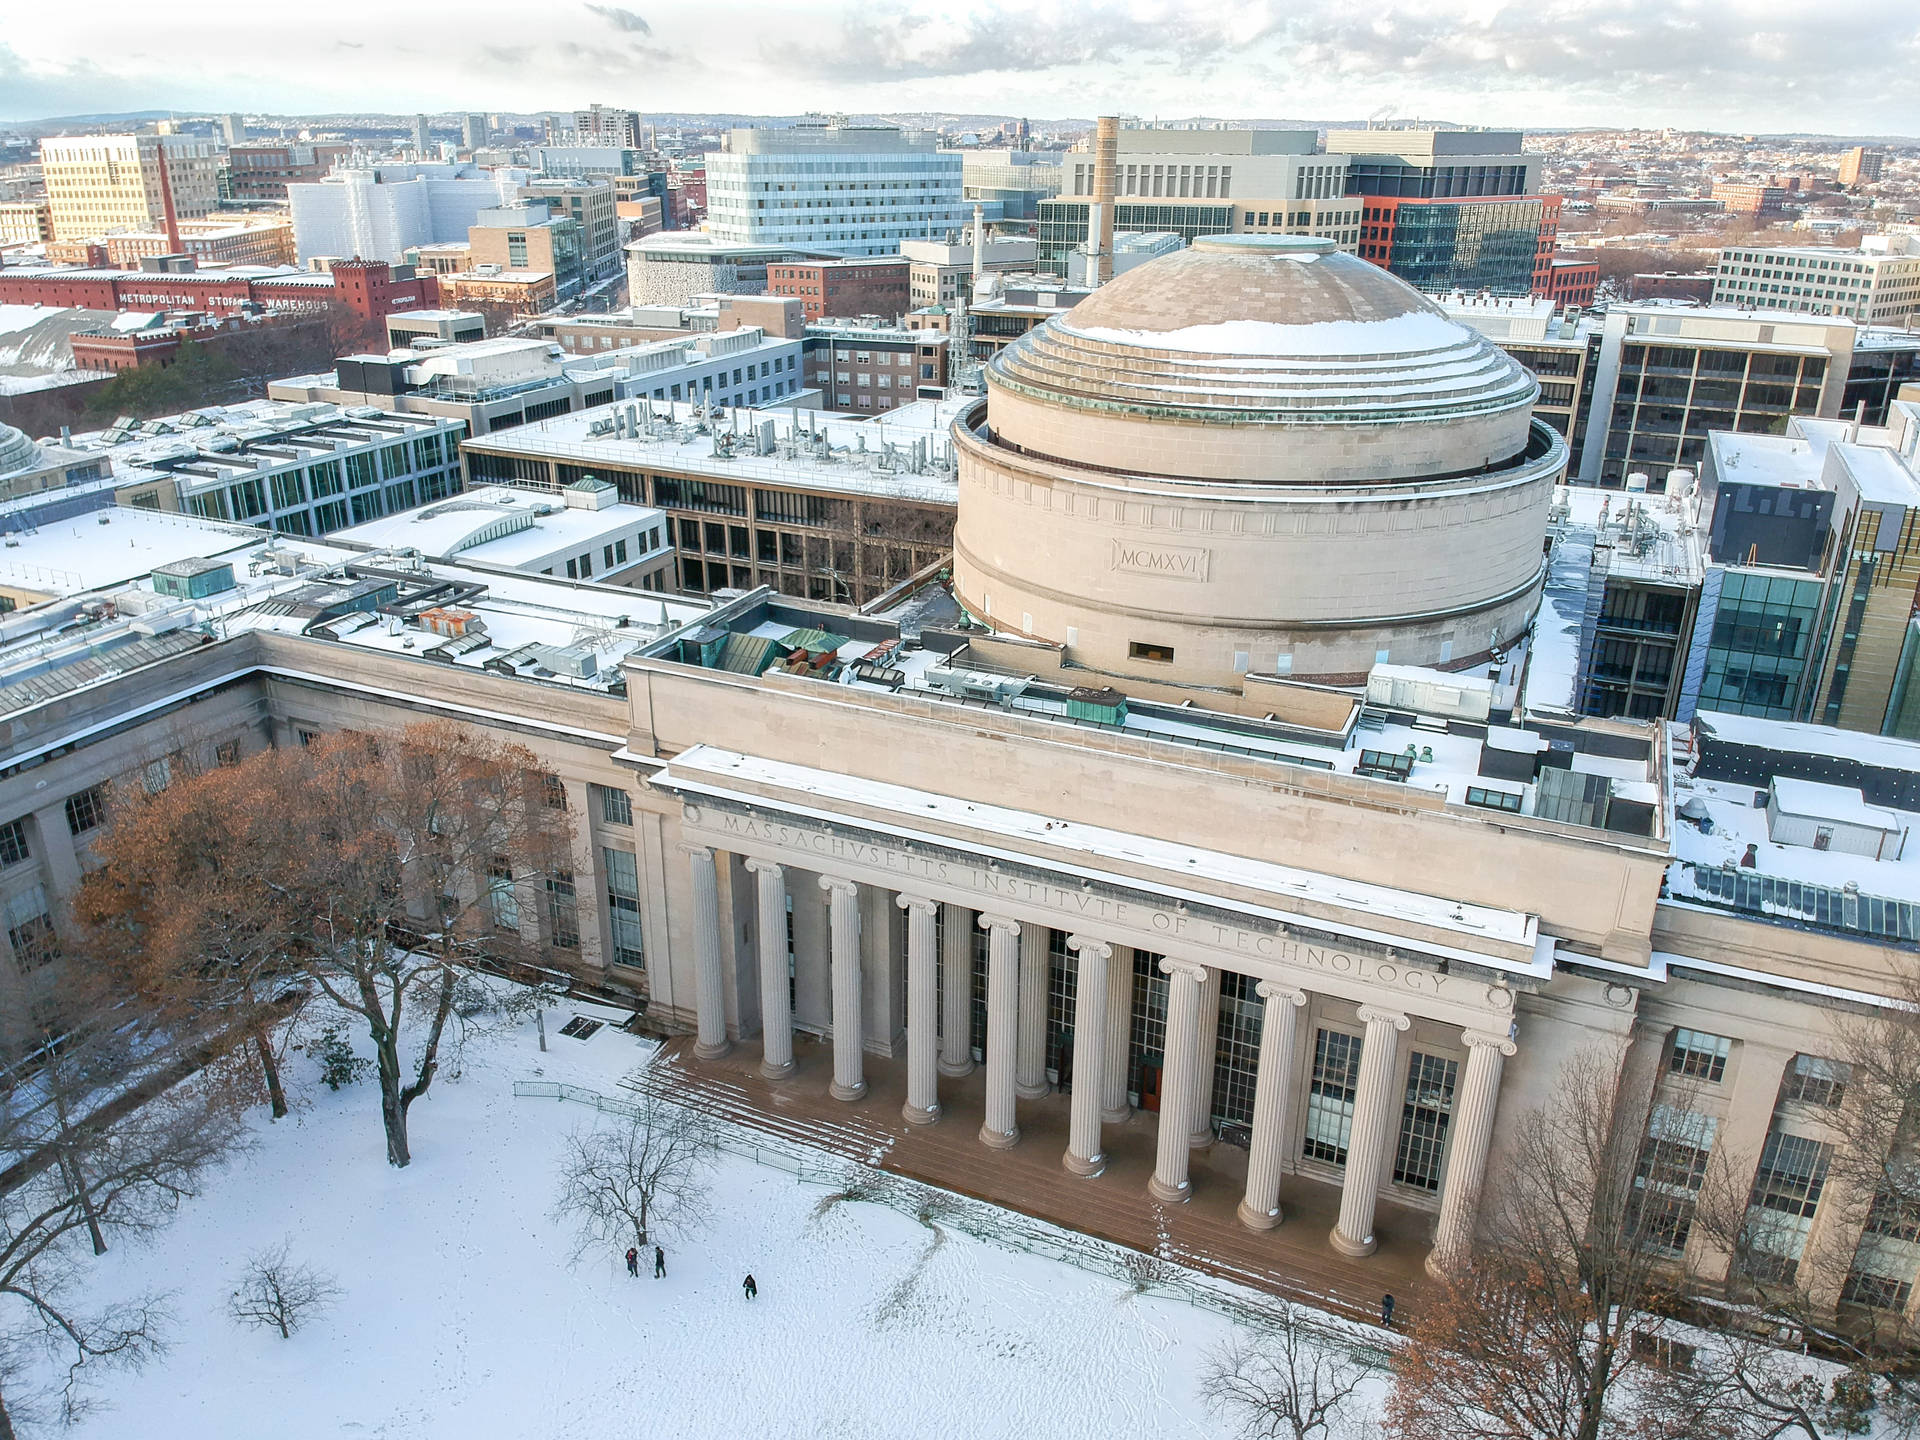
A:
(585, 532)
(378, 212)
(1877, 283)
(828, 185)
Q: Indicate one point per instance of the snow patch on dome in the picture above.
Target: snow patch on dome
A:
(1409, 334)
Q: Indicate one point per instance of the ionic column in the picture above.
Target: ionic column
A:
(1003, 1000)
(923, 1055)
(1209, 1046)
(956, 1000)
(1472, 1133)
(1084, 1156)
(776, 1004)
(1372, 1131)
(1114, 1108)
(1273, 1076)
(709, 999)
(1030, 1068)
(843, 905)
(1178, 1081)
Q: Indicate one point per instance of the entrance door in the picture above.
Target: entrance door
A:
(1150, 1085)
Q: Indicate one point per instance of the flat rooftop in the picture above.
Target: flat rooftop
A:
(557, 631)
(110, 546)
(1611, 768)
(811, 450)
(502, 526)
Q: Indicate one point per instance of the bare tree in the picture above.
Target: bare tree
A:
(277, 1292)
(104, 1132)
(1294, 1380)
(1582, 1240)
(638, 1181)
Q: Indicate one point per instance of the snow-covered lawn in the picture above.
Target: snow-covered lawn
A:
(461, 1316)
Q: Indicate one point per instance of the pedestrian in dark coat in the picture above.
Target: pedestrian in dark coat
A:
(1386, 1311)
(633, 1262)
(749, 1287)
(659, 1263)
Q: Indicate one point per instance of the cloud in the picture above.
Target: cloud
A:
(622, 19)
(1681, 55)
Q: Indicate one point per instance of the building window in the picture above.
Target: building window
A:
(1336, 1077)
(616, 806)
(501, 896)
(1813, 1081)
(87, 810)
(1786, 1192)
(623, 904)
(30, 929)
(1672, 1167)
(1138, 650)
(563, 916)
(553, 792)
(13, 842)
(1424, 1120)
(1699, 1056)
(227, 753)
(158, 774)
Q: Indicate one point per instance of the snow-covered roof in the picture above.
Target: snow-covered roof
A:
(1793, 737)
(812, 450)
(1811, 800)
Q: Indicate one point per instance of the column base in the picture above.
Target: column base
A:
(848, 1093)
(1032, 1092)
(1201, 1139)
(916, 1115)
(704, 1051)
(1088, 1168)
(1258, 1219)
(1167, 1194)
(771, 1071)
(999, 1139)
(1117, 1116)
(956, 1071)
(1436, 1267)
(1352, 1249)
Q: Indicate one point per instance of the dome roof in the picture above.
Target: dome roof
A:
(1263, 329)
(17, 452)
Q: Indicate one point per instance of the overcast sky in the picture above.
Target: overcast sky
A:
(1840, 66)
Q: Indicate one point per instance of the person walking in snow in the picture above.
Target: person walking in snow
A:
(659, 1263)
(633, 1262)
(749, 1287)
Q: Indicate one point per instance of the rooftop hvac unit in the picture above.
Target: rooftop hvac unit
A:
(977, 685)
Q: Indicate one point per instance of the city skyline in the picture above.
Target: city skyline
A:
(1719, 65)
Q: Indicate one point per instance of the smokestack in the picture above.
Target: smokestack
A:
(1106, 152)
(166, 199)
(979, 249)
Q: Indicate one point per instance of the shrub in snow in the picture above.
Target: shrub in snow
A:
(275, 1293)
(338, 1064)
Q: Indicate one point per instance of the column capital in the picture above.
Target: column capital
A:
(756, 866)
(921, 903)
(1377, 1015)
(1089, 948)
(1191, 969)
(998, 922)
(839, 885)
(1503, 1041)
(693, 851)
(1279, 990)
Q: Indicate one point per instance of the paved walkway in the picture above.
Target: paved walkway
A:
(1294, 1260)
